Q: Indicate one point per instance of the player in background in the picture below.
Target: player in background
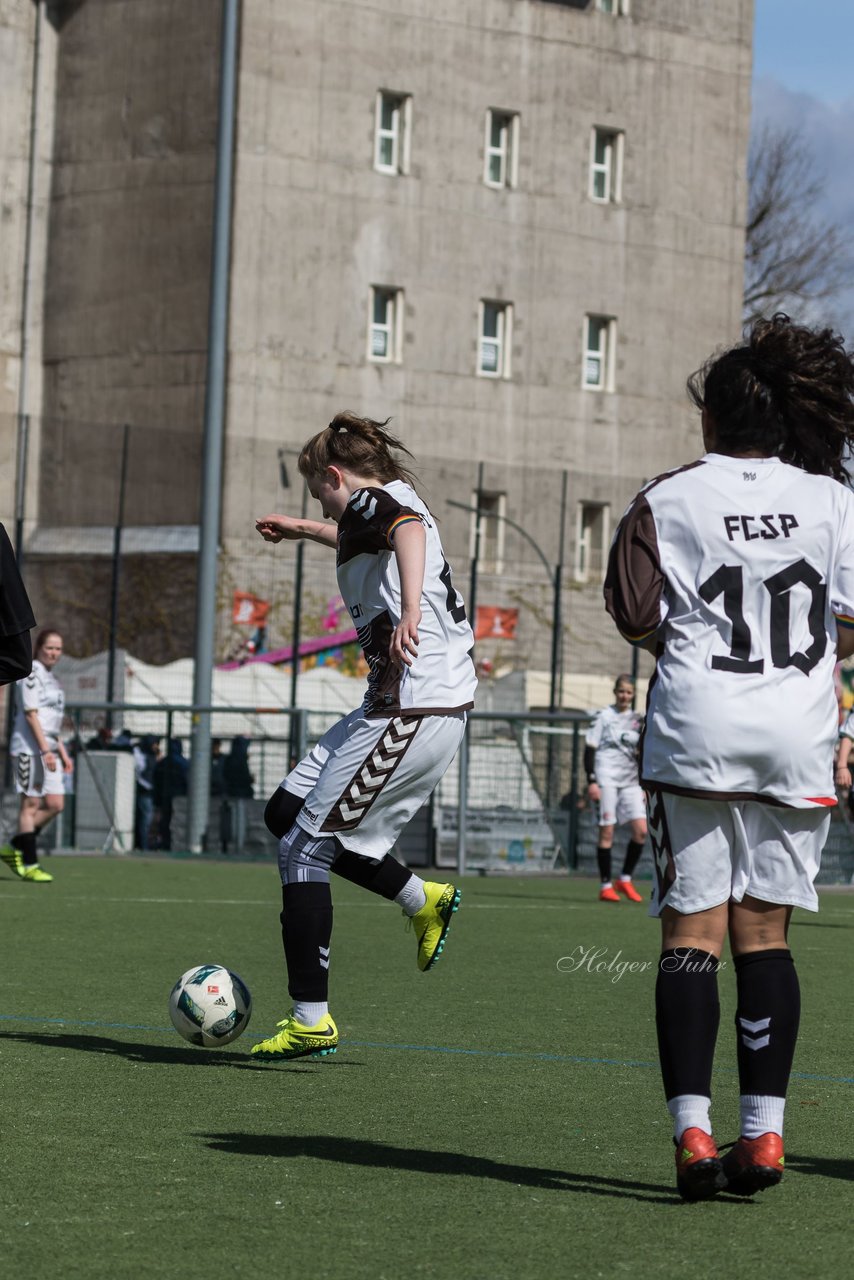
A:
(345, 804)
(737, 572)
(611, 765)
(40, 758)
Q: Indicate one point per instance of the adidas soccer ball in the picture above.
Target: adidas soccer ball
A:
(210, 1005)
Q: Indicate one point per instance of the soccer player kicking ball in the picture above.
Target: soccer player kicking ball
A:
(345, 804)
(737, 571)
(611, 764)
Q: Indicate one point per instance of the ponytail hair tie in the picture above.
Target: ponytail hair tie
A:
(335, 426)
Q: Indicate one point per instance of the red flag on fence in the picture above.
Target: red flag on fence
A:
(495, 624)
(248, 611)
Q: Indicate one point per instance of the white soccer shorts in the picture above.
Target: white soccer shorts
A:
(34, 780)
(707, 852)
(365, 779)
(620, 804)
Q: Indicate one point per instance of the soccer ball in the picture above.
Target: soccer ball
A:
(210, 1005)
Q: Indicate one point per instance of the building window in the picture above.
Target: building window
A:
(385, 325)
(391, 149)
(606, 166)
(487, 531)
(591, 540)
(496, 335)
(619, 8)
(600, 341)
(501, 151)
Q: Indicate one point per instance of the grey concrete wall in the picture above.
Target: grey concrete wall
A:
(130, 241)
(315, 226)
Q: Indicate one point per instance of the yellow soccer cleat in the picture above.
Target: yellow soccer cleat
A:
(12, 857)
(293, 1040)
(432, 922)
(36, 875)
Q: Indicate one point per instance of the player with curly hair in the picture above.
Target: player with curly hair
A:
(737, 572)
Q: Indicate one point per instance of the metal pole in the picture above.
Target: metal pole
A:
(211, 498)
(462, 801)
(114, 587)
(297, 627)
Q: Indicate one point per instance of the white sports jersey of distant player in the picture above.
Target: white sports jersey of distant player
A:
(744, 568)
(442, 676)
(39, 691)
(614, 735)
(847, 730)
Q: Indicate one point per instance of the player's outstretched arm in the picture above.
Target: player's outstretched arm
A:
(410, 542)
(275, 528)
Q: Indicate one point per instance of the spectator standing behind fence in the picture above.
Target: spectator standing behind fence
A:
(144, 760)
(343, 806)
(611, 765)
(237, 783)
(40, 757)
(170, 780)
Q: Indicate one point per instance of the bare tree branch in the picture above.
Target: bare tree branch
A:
(792, 254)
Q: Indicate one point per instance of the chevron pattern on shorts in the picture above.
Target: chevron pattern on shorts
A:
(373, 775)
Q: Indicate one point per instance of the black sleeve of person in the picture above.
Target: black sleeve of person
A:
(590, 763)
(16, 617)
(373, 516)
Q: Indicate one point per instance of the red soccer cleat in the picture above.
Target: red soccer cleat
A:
(753, 1164)
(626, 887)
(609, 894)
(698, 1166)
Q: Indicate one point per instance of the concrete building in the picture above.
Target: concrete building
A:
(514, 226)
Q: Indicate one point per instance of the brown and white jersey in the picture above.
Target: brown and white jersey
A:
(442, 677)
(743, 571)
(614, 735)
(39, 691)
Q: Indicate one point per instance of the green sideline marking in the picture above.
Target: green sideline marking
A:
(420, 1048)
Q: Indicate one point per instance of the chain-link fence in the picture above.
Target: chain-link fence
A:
(514, 801)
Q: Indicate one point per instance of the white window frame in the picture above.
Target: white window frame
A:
(614, 8)
(507, 151)
(590, 560)
(391, 326)
(611, 167)
(493, 563)
(398, 132)
(501, 340)
(603, 352)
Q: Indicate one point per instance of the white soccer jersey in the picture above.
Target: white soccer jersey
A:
(744, 567)
(39, 691)
(614, 735)
(441, 678)
(847, 730)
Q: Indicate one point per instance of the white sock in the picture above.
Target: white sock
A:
(412, 896)
(761, 1113)
(625, 879)
(308, 1013)
(607, 884)
(690, 1111)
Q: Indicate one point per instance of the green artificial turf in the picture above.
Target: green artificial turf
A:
(497, 1117)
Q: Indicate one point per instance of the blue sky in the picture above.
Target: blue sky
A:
(803, 76)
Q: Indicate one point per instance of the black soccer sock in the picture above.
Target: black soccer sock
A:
(633, 853)
(603, 857)
(386, 878)
(687, 1014)
(766, 1020)
(25, 843)
(306, 933)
